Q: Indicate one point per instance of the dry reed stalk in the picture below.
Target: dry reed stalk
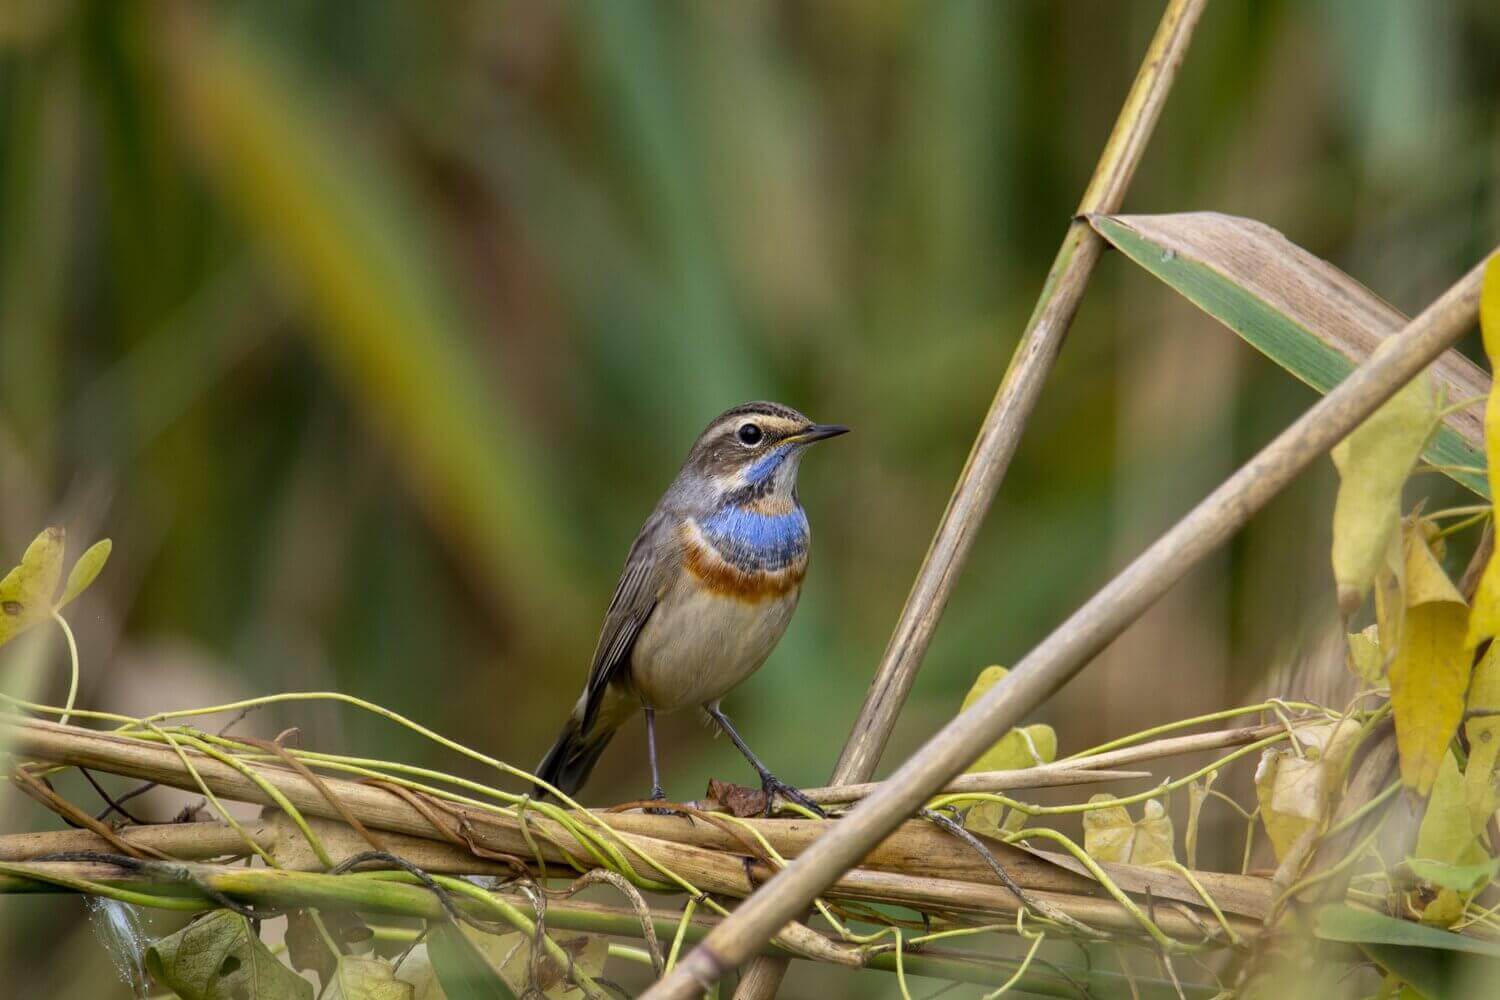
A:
(1059, 775)
(706, 855)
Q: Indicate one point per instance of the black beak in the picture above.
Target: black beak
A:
(817, 432)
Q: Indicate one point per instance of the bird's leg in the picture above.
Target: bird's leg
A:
(656, 790)
(772, 785)
(657, 795)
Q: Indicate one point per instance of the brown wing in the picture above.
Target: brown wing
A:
(641, 584)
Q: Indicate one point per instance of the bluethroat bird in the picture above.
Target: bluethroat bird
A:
(708, 588)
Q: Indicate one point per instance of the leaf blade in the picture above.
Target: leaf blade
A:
(1299, 310)
(85, 571)
(26, 591)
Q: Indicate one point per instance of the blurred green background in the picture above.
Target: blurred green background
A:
(371, 332)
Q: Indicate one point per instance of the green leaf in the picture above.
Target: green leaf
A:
(26, 592)
(359, 978)
(1445, 834)
(1297, 309)
(219, 957)
(1459, 878)
(1428, 975)
(85, 571)
(1423, 957)
(1341, 922)
(462, 969)
(1022, 747)
(510, 955)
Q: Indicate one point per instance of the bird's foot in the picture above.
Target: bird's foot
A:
(774, 786)
(658, 795)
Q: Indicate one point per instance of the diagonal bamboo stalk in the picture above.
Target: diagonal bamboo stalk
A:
(1077, 640)
(1000, 433)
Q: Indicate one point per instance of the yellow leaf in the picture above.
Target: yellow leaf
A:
(1483, 732)
(1373, 463)
(366, 978)
(1444, 910)
(1294, 789)
(1023, 747)
(1290, 790)
(1485, 621)
(988, 678)
(1366, 660)
(26, 592)
(1153, 837)
(1430, 670)
(1330, 742)
(1426, 580)
(1197, 796)
(1020, 748)
(986, 819)
(993, 819)
(1108, 832)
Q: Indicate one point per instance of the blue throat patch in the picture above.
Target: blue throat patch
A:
(754, 541)
(767, 465)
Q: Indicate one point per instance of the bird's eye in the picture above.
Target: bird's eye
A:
(751, 434)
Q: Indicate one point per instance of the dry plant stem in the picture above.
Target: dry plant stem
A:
(1077, 640)
(919, 854)
(924, 859)
(1080, 772)
(942, 895)
(268, 887)
(1001, 430)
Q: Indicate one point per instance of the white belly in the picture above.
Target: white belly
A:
(698, 645)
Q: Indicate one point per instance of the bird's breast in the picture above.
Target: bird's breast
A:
(711, 628)
(745, 554)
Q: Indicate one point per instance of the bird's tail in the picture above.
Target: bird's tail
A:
(568, 764)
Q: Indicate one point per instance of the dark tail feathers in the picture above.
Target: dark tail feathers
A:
(568, 764)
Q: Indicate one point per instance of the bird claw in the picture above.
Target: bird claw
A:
(774, 786)
(658, 795)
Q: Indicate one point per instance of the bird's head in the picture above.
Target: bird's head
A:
(750, 454)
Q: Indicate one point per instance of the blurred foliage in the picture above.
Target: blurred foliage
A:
(372, 339)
